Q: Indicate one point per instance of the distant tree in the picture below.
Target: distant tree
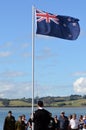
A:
(5, 102)
(61, 104)
(84, 96)
(75, 97)
(70, 104)
(83, 104)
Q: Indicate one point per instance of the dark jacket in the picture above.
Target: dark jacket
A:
(41, 119)
(9, 123)
(51, 125)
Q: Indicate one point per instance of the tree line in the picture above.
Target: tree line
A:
(48, 101)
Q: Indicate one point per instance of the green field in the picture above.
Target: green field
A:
(48, 101)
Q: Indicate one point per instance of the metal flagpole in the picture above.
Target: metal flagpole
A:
(33, 39)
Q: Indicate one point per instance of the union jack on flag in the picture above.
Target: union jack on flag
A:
(41, 15)
(65, 27)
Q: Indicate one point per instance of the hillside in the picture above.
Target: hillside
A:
(68, 101)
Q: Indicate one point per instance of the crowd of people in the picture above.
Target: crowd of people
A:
(42, 119)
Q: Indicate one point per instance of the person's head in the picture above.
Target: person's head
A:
(74, 116)
(81, 117)
(70, 117)
(62, 113)
(9, 113)
(40, 103)
(23, 117)
(20, 118)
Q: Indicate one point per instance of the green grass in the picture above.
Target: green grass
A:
(72, 103)
(65, 103)
(1, 104)
(19, 103)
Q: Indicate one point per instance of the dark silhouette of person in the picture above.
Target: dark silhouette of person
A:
(51, 125)
(41, 117)
(9, 122)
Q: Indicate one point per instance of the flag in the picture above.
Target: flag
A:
(64, 27)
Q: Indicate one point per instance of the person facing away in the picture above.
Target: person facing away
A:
(63, 121)
(19, 124)
(41, 117)
(9, 122)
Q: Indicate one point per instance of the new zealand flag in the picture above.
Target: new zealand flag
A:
(65, 27)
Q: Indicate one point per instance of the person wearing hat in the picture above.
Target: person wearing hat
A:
(63, 121)
(41, 117)
(9, 122)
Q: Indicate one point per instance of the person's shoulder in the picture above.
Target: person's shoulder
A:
(13, 117)
(47, 112)
(60, 117)
(36, 111)
(42, 110)
(71, 120)
(6, 117)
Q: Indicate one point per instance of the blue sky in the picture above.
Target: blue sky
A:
(59, 65)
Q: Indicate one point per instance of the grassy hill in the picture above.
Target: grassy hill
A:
(69, 101)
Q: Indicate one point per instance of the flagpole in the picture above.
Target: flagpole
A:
(33, 42)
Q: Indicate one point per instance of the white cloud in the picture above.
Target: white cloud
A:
(5, 54)
(13, 74)
(6, 45)
(25, 45)
(26, 55)
(5, 86)
(15, 89)
(83, 33)
(80, 85)
(45, 53)
(79, 74)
